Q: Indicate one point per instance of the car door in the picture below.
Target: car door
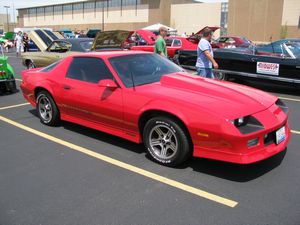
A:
(85, 100)
(176, 44)
(278, 64)
(56, 51)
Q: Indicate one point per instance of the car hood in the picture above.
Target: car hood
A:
(43, 38)
(213, 29)
(113, 39)
(225, 99)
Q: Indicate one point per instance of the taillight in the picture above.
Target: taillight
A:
(2, 73)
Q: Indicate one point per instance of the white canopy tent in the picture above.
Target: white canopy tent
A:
(155, 28)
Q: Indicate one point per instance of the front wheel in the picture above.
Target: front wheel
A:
(47, 109)
(166, 141)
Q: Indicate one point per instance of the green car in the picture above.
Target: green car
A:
(7, 79)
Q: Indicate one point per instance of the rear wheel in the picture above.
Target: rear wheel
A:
(220, 76)
(11, 86)
(30, 65)
(47, 109)
(166, 141)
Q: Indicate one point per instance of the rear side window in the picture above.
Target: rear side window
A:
(50, 67)
(88, 69)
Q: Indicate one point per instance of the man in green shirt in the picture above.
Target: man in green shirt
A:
(160, 44)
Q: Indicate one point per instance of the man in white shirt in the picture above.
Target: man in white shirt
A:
(19, 43)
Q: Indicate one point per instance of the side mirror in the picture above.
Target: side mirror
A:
(108, 83)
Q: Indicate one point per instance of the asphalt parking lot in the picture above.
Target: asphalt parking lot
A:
(74, 175)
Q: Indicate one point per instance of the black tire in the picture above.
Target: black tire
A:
(164, 152)
(11, 86)
(30, 65)
(220, 76)
(47, 109)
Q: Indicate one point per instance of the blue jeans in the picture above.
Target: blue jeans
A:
(205, 72)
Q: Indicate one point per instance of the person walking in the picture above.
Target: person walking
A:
(19, 43)
(160, 44)
(205, 56)
(26, 42)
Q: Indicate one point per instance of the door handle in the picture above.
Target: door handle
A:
(66, 87)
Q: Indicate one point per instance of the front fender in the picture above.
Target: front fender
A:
(168, 107)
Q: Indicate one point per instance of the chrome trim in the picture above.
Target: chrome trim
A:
(6, 80)
(259, 76)
(250, 75)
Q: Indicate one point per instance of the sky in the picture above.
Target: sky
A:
(29, 3)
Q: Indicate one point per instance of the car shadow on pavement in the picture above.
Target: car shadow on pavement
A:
(235, 172)
(224, 170)
(99, 136)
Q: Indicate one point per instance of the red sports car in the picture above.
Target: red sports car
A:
(144, 97)
(173, 43)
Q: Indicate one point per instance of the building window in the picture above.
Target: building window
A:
(57, 8)
(99, 5)
(78, 6)
(89, 5)
(67, 7)
(48, 9)
(40, 10)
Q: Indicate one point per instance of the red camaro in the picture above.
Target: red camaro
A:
(144, 97)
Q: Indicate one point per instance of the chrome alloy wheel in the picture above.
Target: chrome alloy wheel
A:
(163, 142)
(45, 108)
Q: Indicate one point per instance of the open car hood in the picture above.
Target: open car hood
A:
(212, 28)
(43, 38)
(113, 39)
(147, 35)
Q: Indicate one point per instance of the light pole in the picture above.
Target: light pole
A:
(7, 7)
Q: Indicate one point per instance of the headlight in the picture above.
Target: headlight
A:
(247, 124)
(282, 106)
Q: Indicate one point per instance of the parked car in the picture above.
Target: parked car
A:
(67, 33)
(231, 42)
(92, 33)
(275, 47)
(42, 38)
(57, 50)
(7, 79)
(253, 63)
(144, 97)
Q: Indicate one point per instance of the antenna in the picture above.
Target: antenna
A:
(131, 75)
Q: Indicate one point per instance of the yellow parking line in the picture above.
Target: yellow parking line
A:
(289, 99)
(14, 106)
(295, 132)
(134, 169)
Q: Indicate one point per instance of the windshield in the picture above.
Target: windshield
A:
(142, 68)
(292, 49)
(86, 45)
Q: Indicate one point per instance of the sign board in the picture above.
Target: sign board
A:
(267, 68)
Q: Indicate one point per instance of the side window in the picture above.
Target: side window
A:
(169, 42)
(88, 69)
(176, 43)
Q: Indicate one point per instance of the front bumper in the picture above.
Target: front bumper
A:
(227, 145)
(246, 156)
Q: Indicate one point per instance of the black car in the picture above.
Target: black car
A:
(253, 62)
